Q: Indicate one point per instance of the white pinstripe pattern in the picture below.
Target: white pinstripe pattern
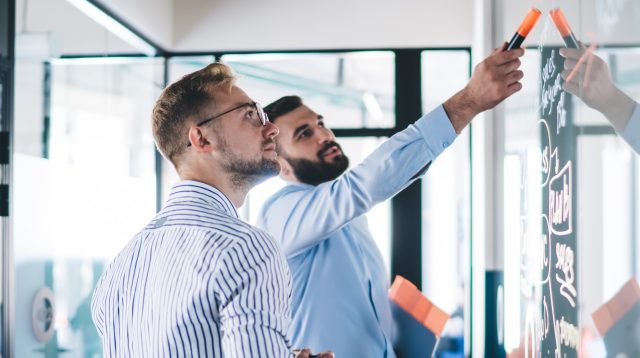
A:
(196, 282)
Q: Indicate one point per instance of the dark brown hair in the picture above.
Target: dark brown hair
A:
(282, 106)
(182, 102)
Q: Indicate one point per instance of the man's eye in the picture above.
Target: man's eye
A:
(249, 114)
(306, 133)
(321, 124)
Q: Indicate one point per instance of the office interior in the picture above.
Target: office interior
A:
(81, 175)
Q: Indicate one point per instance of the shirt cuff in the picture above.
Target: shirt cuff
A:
(437, 130)
(632, 131)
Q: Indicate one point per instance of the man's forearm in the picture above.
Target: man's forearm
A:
(461, 109)
(619, 109)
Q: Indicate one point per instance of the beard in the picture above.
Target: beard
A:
(315, 172)
(248, 172)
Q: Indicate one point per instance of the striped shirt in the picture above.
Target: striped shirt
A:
(196, 282)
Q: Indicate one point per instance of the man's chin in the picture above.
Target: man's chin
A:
(337, 159)
(270, 168)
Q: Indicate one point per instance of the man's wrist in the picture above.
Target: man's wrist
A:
(461, 109)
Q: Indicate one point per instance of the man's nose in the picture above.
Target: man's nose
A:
(324, 135)
(270, 130)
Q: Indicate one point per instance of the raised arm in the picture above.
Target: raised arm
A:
(300, 218)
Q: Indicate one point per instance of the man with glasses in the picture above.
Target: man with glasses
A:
(340, 283)
(197, 281)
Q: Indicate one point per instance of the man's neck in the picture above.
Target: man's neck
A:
(235, 192)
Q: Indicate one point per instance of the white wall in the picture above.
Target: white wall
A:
(202, 25)
(224, 25)
(61, 29)
(153, 18)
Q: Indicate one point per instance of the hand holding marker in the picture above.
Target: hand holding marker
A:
(524, 29)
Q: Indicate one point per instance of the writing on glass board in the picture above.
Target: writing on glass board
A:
(535, 258)
(536, 326)
(551, 85)
(564, 262)
(567, 333)
(561, 114)
(548, 155)
(560, 202)
(552, 256)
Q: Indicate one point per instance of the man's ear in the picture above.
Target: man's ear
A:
(199, 140)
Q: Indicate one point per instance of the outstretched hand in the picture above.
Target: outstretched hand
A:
(493, 80)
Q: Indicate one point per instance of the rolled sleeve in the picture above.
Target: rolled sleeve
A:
(437, 130)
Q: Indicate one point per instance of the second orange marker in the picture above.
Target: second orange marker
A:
(563, 26)
(524, 29)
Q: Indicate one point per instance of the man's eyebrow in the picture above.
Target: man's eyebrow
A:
(300, 129)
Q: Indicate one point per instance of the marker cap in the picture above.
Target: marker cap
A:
(529, 22)
(561, 21)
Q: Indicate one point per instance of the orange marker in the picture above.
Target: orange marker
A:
(524, 29)
(563, 26)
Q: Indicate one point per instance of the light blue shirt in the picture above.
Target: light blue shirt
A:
(196, 282)
(631, 132)
(340, 283)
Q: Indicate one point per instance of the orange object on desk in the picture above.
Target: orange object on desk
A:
(619, 305)
(406, 295)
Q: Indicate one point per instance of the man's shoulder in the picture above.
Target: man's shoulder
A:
(211, 228)
(234, 229)
(248, 247)
(225, 239)
(204, 219)
(279, 204)
(286, 196)
(248, 239)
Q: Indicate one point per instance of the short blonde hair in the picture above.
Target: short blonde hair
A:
(182, 102)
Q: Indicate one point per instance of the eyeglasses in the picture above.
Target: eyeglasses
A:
(255, 114)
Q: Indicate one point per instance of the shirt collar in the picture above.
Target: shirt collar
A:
(297, 183)
(195, 191)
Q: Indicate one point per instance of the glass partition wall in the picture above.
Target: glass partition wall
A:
(87, 176)
(570, 173)
(84, 170)
(7, 64)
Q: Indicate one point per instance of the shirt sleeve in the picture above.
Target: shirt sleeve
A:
(631, 133)
(253, 291)
(300, 219)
